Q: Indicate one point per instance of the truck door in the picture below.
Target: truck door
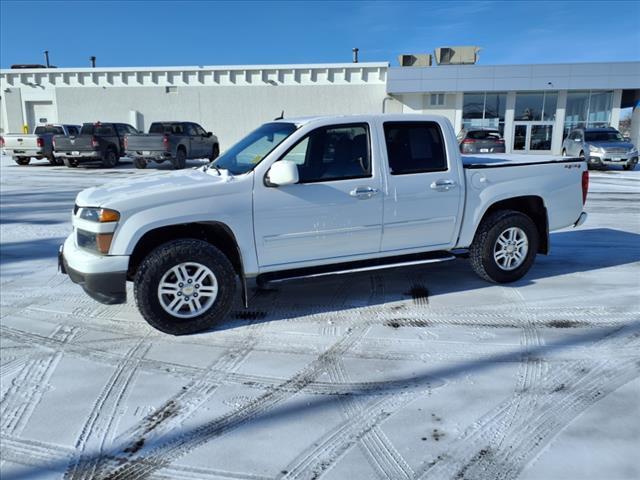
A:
(333, 212)
(423, 196)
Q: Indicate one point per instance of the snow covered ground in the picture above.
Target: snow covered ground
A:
(421, 373)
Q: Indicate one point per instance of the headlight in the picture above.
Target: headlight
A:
(101, 215)
(593, 148)
(96, 242)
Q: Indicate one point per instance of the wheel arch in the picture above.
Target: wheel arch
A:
(531, 205)
(217, 234)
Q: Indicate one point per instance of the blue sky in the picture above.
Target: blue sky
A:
(166, 33)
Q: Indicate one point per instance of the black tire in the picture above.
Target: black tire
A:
(181, 159)
(58, 160)
(215, 152)
(160, 261)
(481, 252)
(110, 158)
(22, 160)
(140, 162)
(70, 162)
(52, 160)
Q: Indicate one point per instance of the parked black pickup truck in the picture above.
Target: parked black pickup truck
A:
(97, 142)
(173, 141)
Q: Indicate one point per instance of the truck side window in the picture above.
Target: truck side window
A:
(106, 130)
(414, 147)
(332, 153)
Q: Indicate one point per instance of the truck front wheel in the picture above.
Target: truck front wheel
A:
(504, 246)
(185, 286)
(181, 159)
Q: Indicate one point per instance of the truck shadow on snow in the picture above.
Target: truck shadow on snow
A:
(573, 251)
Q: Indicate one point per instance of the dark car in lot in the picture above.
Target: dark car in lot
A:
(173, 141)
(99, 141)
(600, 147)
(481, 140)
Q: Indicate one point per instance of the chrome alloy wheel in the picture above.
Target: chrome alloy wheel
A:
(511, 248)
(187, 290)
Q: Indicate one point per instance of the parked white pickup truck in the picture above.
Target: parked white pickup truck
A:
(39, 144)
(315, 196)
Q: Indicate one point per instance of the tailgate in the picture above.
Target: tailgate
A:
(20, 142)
(73, 143)
(145, 142)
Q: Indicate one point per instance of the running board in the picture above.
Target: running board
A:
(354, 267)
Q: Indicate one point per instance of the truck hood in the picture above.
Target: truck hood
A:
(156, 189)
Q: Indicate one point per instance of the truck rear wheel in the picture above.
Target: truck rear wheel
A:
(504, 246)
(215, 153)
(140, 162)
(181, 159)
(110, 159)
(52, 160)
(22, 160)
(70, 162)
(185, 286)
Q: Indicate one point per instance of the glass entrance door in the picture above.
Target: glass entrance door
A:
(532, 136)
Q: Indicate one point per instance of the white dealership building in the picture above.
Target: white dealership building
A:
(533, 105)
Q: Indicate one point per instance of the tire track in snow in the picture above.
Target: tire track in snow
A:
(134, 461)
(28, 387)
(578, 384)
(360, 425)
(102, 419)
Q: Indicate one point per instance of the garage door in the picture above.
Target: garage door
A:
(39, 113)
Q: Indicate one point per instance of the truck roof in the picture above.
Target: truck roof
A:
(392, 117)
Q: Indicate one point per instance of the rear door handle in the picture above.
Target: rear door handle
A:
(443, 185)
(363, 193)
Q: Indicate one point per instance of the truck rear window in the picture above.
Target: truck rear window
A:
(175, 128)
(49, 129)
(90, 129)
(414, 147)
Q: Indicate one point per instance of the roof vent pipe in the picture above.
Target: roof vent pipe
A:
(355, 54)
(93, 61)
(46, 58)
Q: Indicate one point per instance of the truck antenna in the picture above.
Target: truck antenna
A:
(281, 116)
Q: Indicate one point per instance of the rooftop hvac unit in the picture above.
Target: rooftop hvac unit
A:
(418, 60)
(457, 55)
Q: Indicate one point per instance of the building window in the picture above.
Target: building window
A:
(436, 99)
(171, 89)
(484, 110)
(536, 106)
(587, 109)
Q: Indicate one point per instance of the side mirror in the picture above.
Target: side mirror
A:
(627, 139)
(284, 172)
(209, 134)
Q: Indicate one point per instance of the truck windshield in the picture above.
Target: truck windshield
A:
(250, 151)
(603, 137)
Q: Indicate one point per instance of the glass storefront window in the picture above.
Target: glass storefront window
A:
(484, 110)
(550, 106)
(587, 109)
(529, 106)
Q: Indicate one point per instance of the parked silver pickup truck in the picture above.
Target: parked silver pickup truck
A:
(39, 144)
(173, 141)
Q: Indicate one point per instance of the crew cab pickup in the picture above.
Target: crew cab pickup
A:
(37, 145)
(173, 141)
(300, 198)
(102, 142)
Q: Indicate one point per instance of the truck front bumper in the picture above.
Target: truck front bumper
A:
(102, 277)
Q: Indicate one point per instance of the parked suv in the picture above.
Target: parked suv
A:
(173, 141)
(481, 140)
(600, 147)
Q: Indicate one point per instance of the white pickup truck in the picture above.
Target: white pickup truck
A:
(315, 196)
(39, 144)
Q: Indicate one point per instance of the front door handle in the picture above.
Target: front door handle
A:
(363, 193)
(443, 185)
